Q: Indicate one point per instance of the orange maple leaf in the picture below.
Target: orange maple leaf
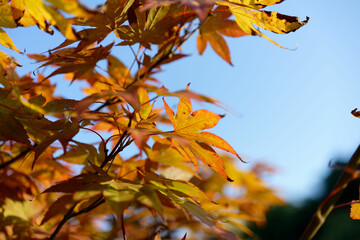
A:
(188, 125)
(355, 211)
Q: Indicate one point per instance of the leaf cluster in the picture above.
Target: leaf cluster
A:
(176, 178)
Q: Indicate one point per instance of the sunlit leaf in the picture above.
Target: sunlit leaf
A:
(187, 124)
(6, 18)
(84, 170)
(355, 211)
(278, 23)
(6, 41)
(119, 199)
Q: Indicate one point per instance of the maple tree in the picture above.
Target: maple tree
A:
(53, 185)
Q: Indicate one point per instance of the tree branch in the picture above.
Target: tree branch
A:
(118, 147)
(70, 214)
(66, 217)
(108, 102)
(329, 202)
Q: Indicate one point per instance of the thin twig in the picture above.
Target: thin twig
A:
(119, 145)
(14, 159)
(346, 204)
(108, 102)
(123, 226)
(70, 214)
(66, 217)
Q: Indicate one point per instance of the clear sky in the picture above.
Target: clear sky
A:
(292, 107)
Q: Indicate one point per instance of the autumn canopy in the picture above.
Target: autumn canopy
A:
(54, 184)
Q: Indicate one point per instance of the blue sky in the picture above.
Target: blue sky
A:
(290, 109)
(294, 106)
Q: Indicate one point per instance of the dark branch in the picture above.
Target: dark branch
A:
(108, 102)
(70, 214)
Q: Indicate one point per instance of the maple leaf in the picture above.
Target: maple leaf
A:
(247, 14)
(6, 41)
(69, 130)
(122, 100)
(200, 7)
(188, 124)
(37, 12)
(76, 63)
(212, 29)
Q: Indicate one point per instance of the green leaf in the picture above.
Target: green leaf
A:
(149, 198)
(187, 188)
(194, 210)
(119, 200)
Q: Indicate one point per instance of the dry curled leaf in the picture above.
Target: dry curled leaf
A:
(355, 113)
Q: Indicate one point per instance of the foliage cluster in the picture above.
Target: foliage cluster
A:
(175, 181)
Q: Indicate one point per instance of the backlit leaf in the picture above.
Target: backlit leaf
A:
(6, 41)
(187, 188)
(44, 14)
(196, 211)
(187, 124)
(6, 18)
(207, 155)
(355, 211)
(272, 21)
(219, 45)
(118, 71)
(119, 199)
(73, 7)
(278, 23)
(149, 198)
(213, 28)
